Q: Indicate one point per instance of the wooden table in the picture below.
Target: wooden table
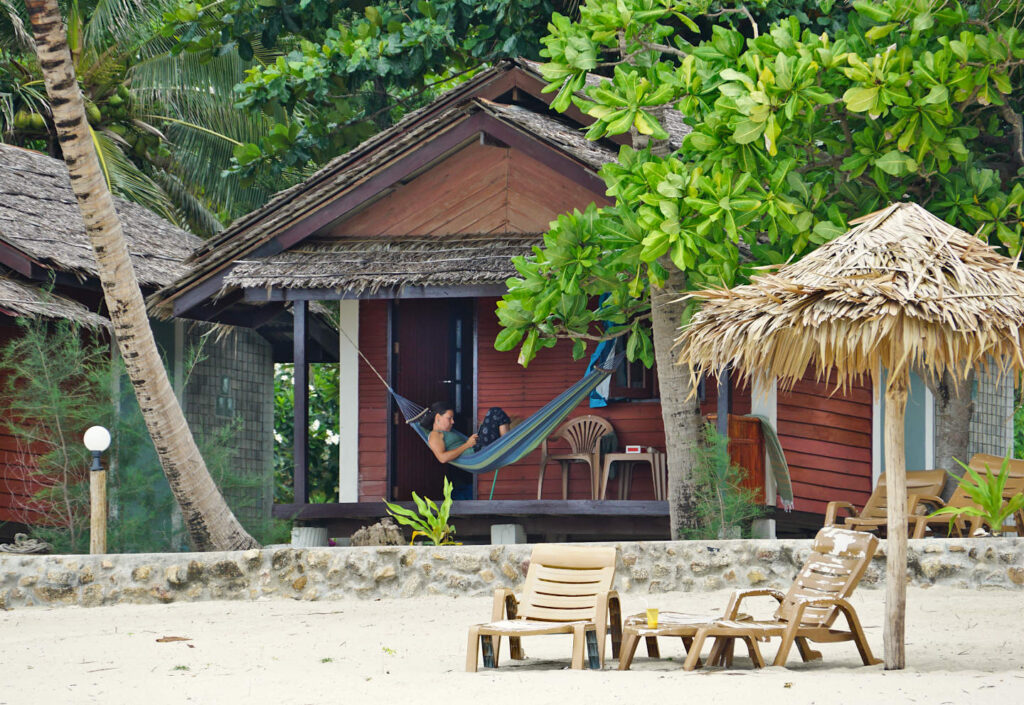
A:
(680, 624)
(659, 472)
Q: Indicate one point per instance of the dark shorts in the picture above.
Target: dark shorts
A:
(489, 430)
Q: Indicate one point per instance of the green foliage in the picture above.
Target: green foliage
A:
(62, 382)
(332, 73)
(324, 414)
(720, 505)
(429, 521)
(55, 389)
(987, 494)
(794, 132)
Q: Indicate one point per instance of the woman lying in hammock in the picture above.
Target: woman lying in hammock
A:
(448, 445)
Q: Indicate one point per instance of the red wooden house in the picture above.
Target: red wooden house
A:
(412, 233)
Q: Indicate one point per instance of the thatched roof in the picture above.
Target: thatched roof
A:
(370, 264)
(20, 299)
(344, 171)
(39, 217)
(372, 157)
(903, 289)
(568, 139)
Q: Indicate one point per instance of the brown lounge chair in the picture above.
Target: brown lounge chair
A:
(806, 613)
(873, 517)
(568, 590)
(965, 525)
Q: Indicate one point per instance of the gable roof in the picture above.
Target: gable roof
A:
(357, 177)
(41, 227)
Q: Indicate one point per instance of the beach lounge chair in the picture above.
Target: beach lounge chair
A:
(568, 590)
(873, 517)
(806, 613)
(583, 434)
(968, 525)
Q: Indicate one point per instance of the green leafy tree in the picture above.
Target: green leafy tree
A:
(794, 131)
(332, 73)
(324, 415)
(163, 124)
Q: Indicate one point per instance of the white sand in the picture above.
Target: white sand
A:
(961, 645)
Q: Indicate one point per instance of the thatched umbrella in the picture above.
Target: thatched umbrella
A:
(903, 290)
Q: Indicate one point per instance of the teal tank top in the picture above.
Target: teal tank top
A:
(452, 440)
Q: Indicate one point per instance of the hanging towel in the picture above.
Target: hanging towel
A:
(777, 460)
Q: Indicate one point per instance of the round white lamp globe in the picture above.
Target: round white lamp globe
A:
(97, 439)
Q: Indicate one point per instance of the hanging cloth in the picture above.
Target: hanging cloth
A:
(777, 459)
(526, 436)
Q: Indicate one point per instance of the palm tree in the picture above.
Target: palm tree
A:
(163, 123)
(209, 521)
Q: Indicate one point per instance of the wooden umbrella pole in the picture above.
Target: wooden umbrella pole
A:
(896, 523)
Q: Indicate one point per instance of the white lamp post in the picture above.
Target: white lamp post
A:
(97, 440)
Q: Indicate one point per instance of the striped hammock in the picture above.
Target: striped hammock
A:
(526, 436)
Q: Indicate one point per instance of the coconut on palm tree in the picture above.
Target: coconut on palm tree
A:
(163, 123)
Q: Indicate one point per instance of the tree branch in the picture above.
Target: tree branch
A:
(742, 10)
(601, 338)
(1017, 123)
(663, 48)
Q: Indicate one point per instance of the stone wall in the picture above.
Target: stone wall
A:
(396, 571)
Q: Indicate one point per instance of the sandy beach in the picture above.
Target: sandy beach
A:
(960, 645)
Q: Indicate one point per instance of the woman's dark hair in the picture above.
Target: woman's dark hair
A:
(438, 407)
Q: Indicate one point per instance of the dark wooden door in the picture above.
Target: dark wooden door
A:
(433, 363)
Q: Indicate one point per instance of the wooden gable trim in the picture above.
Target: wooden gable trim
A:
(405, 167)
(17, 260)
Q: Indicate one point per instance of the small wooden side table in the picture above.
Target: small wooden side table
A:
(659, 472)
(680, 624)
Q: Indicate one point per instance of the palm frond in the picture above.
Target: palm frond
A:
(125, 22)
(129, 181)
(13, 32)
(191, 209)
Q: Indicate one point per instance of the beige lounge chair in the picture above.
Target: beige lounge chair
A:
(873, 516)
(806, 613)
(969, 525)
(583, 434)
(568, 590)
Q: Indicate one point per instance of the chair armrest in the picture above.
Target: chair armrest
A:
(505, 605)
(802, 603)
(608, 609)
(733, 608)
(927, 499)
(833, 508)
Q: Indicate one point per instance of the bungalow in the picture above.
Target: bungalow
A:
(47, 271)
(411, 232)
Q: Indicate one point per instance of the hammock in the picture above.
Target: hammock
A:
(526, 436)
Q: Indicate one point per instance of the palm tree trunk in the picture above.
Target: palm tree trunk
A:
(209, 521)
